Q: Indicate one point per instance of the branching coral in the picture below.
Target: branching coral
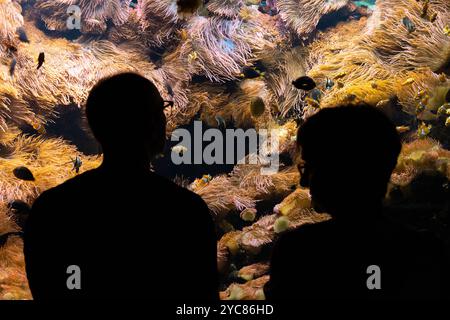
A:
(303, 15)
(95, 14)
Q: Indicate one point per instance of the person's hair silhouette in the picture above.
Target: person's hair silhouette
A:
(347, 156)
(130, 233)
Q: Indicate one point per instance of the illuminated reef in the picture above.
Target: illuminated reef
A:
(232, 61)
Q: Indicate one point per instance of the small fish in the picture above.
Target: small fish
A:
(421, 94)
(304, 83)
(221, 123)
(313, 103)
(39, 127)
(424, 130)
(41, 60)
(446, 30)
(169, 90)
(408, 24)
(23, 173)
(183, 34)
(180, 150)
(22, 35)
(252, 73)
(383, 103)
(442, 110)
(5, 237)
(433, 17)
(329, 84)
(425, 7)
(20, 212)
(402, 129)
(206, 178)
(192, 56)
(19, 206)
(315, 94)
(77, 163)
(408, 81)
(420, 108)
(12, 67)
(257, 107)
(340, 75)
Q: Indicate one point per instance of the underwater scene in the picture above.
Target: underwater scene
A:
(239, 64)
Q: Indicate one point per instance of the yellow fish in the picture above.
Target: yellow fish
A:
(192, 56)
(402, 129)
(408, 81)
(38, 127)
(447, 30)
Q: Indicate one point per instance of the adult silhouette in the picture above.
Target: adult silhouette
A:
(130, 233)
(347, 157)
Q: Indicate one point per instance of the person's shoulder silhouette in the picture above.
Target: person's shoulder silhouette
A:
(348, 154)
(128, 232)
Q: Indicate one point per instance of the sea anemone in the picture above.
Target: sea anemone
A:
(226, 8)
(12, 19)
(302, 16)
(95, 14)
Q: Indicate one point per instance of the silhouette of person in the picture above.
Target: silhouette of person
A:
(347, 157)
(129, 232)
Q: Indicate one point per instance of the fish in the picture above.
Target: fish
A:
(23, 173)
(39, 127)
(257, 107)
(5, 237)
(442, 110)
(410, 26)
(12, 67)
(304, 83)
(77, 163)
(192, 56)
(383, 103)
(403, 129)
(252, 73)
(179, 149)
(20, 212)
(201, 182)
(424, 130)
(446, 30)
(169, 90)
(313, 103)
(420, 108)
(221, 123)
(41, 60)
(183, 34)
(22, 35)
(425, 7)
(315, 94)
(19, 206)
(408, 81)
(433, 17)
(329, 84)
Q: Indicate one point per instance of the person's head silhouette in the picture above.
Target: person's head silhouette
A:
(126, 115)
(348, 154)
